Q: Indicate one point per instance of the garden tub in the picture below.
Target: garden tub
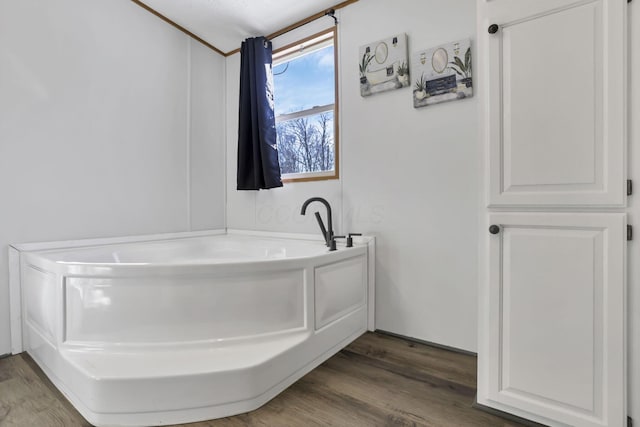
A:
(185, 327)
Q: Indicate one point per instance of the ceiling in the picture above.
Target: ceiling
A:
(226, 23)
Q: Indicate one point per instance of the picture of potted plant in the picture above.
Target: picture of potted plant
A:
(463, 69)
(420, 91)
(364, 66)
(403, 74)
(384, 65)
(442, 73)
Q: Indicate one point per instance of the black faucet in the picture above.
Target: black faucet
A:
(327, 233)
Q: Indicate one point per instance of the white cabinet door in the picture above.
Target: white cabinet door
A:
(554, 110)
(556, 292)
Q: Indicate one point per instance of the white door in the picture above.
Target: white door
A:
(552, 326)
(557, 305)
(555, 75)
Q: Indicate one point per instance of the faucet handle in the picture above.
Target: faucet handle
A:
(350, 239)
(332, 245)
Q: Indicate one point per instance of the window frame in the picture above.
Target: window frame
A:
(290, 49)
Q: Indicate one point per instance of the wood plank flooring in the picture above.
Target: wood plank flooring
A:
(378, 380)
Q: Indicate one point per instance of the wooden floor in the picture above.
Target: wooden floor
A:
(376, 381)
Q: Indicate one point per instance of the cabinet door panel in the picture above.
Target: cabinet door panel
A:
(556, 89)
(556, 306)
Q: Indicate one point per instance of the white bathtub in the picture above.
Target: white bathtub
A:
(190, 327)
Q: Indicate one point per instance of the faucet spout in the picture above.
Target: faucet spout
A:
(328, 233)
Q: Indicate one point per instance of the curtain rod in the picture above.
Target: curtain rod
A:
(328, 12)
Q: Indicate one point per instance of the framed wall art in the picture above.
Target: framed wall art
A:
(384, 65)
(442, 73)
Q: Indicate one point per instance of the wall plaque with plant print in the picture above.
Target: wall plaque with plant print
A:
(384, 65)
(442, 73)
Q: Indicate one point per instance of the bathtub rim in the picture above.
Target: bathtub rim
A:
(16, 306)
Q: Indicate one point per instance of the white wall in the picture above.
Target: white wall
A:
(207, 113)
(98, 126)
(407, 176)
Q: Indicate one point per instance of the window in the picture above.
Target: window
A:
(304, 76)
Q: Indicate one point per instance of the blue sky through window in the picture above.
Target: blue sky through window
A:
(306, 82)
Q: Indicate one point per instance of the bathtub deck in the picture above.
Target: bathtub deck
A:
(376, 381)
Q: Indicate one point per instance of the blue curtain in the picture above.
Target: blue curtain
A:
(258, 166)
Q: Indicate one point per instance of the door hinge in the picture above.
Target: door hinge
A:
(629, 232)
(629, 422)
(629, 187)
